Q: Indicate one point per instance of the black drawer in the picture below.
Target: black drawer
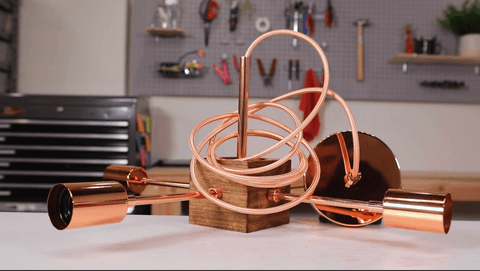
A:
(48, 139)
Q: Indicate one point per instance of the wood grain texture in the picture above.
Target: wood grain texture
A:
(434, 59)
(205, 213)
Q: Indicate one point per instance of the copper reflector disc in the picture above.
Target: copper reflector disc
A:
(379, 169)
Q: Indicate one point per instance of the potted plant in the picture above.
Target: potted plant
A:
(464, 23)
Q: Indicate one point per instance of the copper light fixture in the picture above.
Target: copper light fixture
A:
(350, 178)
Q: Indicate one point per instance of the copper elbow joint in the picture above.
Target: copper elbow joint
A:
(131, 177)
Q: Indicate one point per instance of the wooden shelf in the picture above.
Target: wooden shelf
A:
(166, 32)
(434, 59)
(461, 185)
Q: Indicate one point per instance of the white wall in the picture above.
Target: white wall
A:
(78, 47)
(72, 47)
(427, 137)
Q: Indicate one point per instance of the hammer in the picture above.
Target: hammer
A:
(360, 23)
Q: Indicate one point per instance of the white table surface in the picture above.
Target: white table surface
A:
(29, 241)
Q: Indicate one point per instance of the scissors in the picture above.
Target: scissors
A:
(208, 11)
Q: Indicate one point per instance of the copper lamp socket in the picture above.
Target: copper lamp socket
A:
(420, 211)
(129, 176)
(75, 205)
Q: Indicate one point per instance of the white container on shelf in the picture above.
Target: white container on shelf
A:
(469, 45)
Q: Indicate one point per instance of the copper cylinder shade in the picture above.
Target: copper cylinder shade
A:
(420, 211)
(75, 205)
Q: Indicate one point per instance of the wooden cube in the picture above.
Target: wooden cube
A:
(205, 213)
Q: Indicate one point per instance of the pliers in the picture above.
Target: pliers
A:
(267, 78)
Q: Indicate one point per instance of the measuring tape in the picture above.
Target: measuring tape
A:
(262, 24)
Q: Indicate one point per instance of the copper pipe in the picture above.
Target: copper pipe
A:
(159, 182)
(400, 208)
(370, 206)
(243, 106)
(143, 200)
(363, 215)
(348, 178)
(135, 178)
(75, 205)
(244, 177)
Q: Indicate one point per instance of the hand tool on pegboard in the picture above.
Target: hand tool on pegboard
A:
(297, 69)
(208, 11)
(267, 78)
(293, 69)
(329, 14)
(296, 23)
(360, 24)
(304, 21)
(287, 13)
(235, 63)
(290, 73)
(223, 73)
(233, 20)
(310, 22)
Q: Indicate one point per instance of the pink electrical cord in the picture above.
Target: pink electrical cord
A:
(243, 176)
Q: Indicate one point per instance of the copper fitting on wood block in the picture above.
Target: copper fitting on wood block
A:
(131, 177)
(205, 213)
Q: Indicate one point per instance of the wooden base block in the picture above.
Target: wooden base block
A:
(205, 213)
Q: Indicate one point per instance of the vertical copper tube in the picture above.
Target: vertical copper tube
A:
(243, 106)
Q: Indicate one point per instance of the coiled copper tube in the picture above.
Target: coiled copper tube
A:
(245, 111)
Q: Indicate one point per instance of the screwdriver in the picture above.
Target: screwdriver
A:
(290, 67)
(297, 69)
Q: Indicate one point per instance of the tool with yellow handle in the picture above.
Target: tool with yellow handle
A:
(361, 23)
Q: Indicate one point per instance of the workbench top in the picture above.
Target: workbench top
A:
(29, 241)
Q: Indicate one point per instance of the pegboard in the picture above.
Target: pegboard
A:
(383, 38)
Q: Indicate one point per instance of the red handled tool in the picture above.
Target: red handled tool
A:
(234, 10)
(224, 74)
(208, 11)
(310, 23)
(235, 62)
(329, 19)
(267, 78)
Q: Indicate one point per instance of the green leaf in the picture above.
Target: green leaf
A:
(463, 21)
